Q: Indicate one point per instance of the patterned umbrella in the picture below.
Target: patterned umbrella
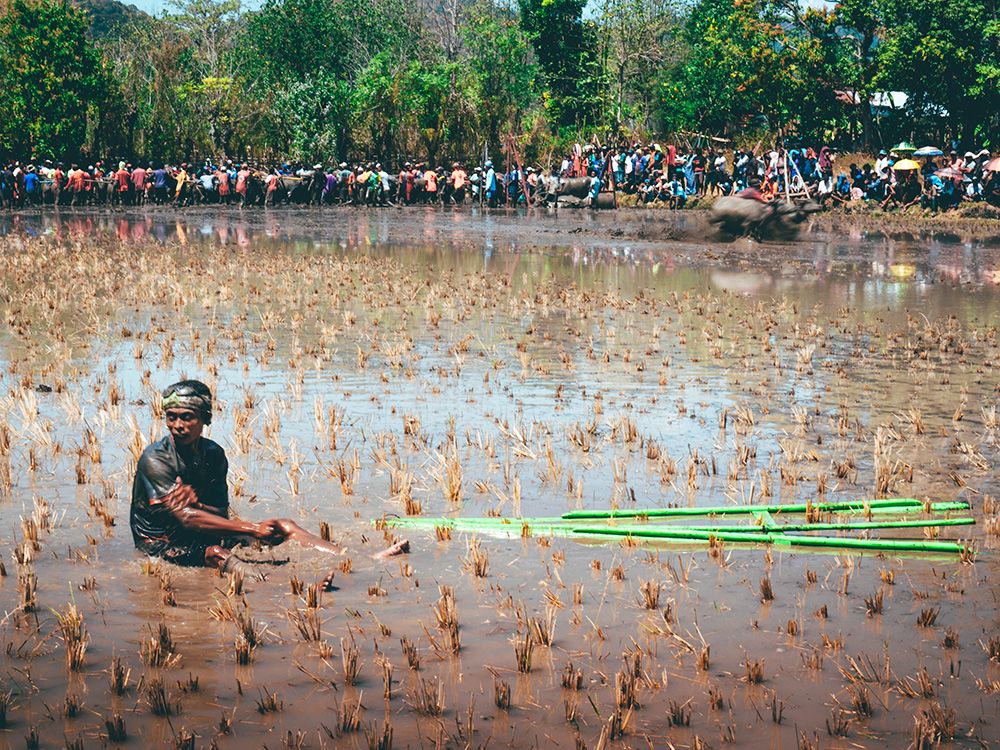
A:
(950, 174)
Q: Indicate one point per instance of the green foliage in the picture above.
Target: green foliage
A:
(323, 80)
(943, 53)
(506, 73)
(746, 65)
(315, 114)
(565, 48)
(637, 42)
(51, 78)
(293, 39)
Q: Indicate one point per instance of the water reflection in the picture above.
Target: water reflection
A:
(873, 260)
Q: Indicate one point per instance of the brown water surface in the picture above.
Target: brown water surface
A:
(526, 366)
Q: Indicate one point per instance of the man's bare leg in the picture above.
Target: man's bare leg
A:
(219, 557)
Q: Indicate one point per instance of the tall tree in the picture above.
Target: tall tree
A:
(51, 78)
(148, 65)
(506, 71)
(943, 54)
(747, 66)
(860, 24)
(635, 39)
(214, 105)
(565, 48)
(289, 44)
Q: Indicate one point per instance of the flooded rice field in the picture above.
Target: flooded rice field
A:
(373, 369)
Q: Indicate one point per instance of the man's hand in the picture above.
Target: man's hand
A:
(180, 496)
(271, 531)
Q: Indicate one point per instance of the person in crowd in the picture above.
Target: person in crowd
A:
(459, 179)
(647, 170)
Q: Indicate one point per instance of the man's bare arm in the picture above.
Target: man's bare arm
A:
(183, 496)
(200, 520)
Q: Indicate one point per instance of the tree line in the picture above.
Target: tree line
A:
(323, 80)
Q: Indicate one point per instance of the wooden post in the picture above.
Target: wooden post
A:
(614, 182)
(506, 171)
(804, 186)
(788, 186)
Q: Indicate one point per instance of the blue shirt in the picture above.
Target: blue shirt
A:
(30, 182)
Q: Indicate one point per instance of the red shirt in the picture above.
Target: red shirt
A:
(122, 176)
(752, 194)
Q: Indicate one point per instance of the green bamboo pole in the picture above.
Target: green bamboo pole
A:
(722, 510)
(535, 526)
(917, 523)
(899, 545)
(820, 526)
(912, 545)
(649, 532)
(904, 510)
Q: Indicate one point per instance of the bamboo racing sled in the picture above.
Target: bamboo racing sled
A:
(764, 524)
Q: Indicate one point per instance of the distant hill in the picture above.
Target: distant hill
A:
(108, 15)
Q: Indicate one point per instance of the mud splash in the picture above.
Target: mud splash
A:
(449, 364)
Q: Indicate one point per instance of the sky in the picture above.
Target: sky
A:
(155, 7)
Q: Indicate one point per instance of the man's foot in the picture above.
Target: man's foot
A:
(398, 548)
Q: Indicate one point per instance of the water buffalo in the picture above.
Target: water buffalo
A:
(741, 216)
(570, 192)
(578, 187)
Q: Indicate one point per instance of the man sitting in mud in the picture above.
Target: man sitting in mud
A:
(180, 499)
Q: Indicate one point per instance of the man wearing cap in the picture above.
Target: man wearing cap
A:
(180, 499)
(222, 183)
(316, 184)
(490, 185)
(32, 188)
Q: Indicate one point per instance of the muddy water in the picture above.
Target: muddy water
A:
(554, 364)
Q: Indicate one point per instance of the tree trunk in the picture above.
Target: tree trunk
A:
(866, 119)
